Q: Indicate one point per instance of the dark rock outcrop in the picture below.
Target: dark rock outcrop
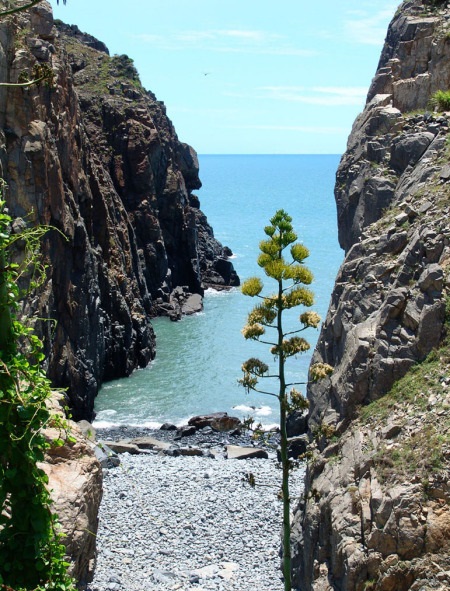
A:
(95, 156)
(367, 521)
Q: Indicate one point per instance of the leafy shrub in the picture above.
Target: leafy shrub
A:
(440, 101)
(31, 551)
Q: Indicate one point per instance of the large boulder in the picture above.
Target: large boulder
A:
(219, 421)
(75, 483)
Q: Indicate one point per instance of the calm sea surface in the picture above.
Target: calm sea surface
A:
(198, 359)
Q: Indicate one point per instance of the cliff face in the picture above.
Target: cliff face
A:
(376, 511)
(95, 156)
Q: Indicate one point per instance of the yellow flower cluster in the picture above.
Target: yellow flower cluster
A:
(253, 331)
(310, 319)
(318, 371)
(291, 347)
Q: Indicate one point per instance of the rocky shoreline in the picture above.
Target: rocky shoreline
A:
(182, 521)
(206, 440)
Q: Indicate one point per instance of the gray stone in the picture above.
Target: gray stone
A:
(391, 431)
(121, 447)
(168, 427)
(445, 173)
(190, 451)
(186, 431)
(401, 218)
(432, 279)
(236, 452)
(193, 304)
(87, 429)
(426, 206)
(163, 577)
(407, 150)
(106, 456)
(150, 443)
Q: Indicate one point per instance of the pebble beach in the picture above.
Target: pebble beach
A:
(191, 523)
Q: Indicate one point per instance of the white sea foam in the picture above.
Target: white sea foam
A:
(262, 411)
(221, 293)
(108, 412)
(102, 424)
(105, 424)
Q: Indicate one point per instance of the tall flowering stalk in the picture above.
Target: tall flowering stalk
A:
(290, 277)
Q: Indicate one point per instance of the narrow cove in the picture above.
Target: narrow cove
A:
(199, 358)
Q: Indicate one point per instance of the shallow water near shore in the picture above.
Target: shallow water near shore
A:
(198, 359)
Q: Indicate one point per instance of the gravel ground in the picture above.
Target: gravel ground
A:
(190, 523)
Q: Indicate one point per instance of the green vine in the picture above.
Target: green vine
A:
(31, 551)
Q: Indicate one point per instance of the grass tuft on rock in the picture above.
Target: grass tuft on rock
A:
(419, 404)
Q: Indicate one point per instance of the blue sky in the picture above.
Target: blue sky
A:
(248, 76)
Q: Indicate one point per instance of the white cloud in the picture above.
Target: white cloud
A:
(369, 30)
(226, 41)
(329, 96)
(246, 35)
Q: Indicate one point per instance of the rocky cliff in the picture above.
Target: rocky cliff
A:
(376, 511)
(94, 155)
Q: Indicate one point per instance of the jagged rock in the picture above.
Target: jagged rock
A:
(236, 452)
(406, 151)
(105, 167)
(360, 523)
(297, 446)
(192, 305)
(201, 421)
(432, 279)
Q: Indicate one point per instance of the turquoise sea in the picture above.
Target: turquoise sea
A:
(198, 359)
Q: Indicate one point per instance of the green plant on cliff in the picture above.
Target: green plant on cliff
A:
(31, 552)
(422, 447)
(40, 72)
(290, 277)
(440, 100)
